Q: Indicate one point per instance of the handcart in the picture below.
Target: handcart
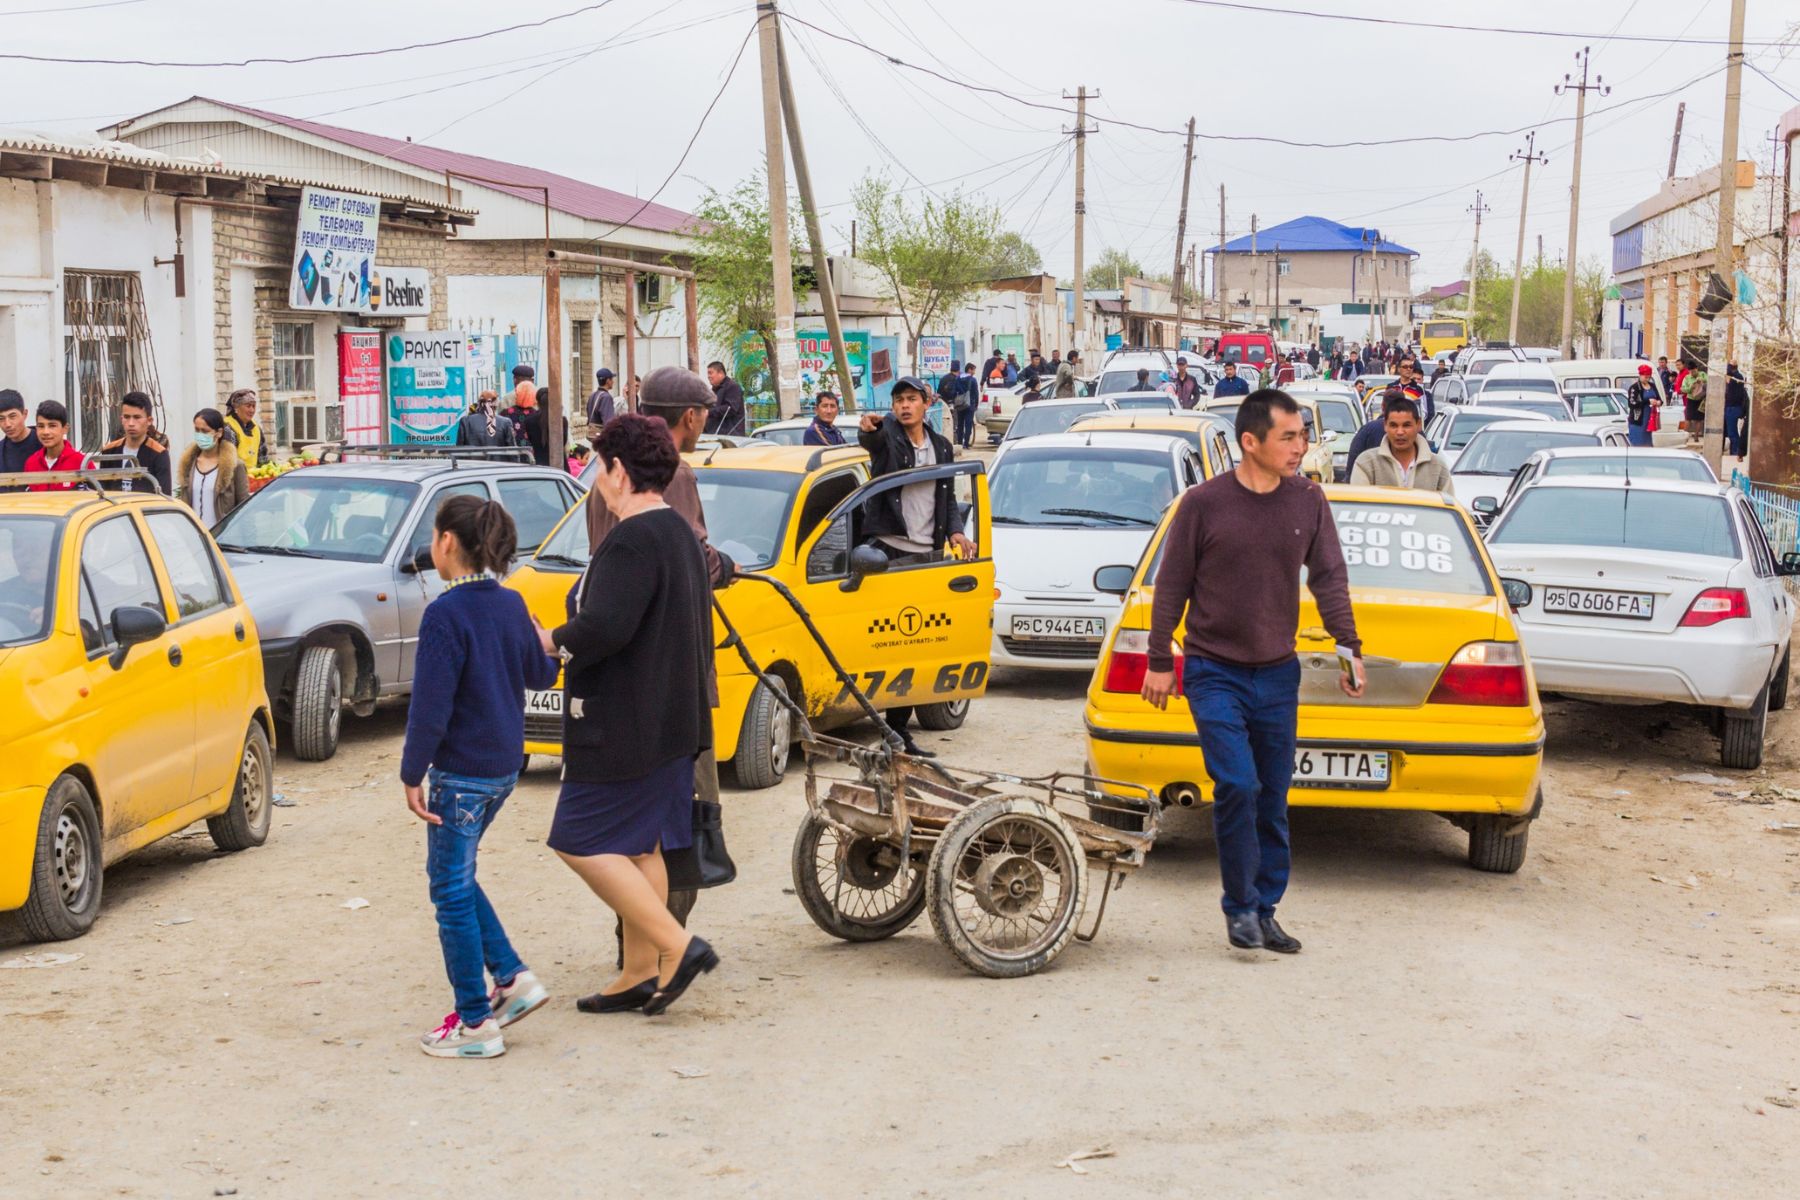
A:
(1002, 862)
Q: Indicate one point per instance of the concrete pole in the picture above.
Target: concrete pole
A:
(1581, 90)
(1081, 94)
(783, 352)
(552, 416)
(809, 208)
(1712, 441)
(630, 387)
(1176, 279)
(1529, 156)
(1219, 258)
(691, 298)
(1475, 257)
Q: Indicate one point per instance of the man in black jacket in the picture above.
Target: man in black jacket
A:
(140, 444)
(911, 523)
(728, 401)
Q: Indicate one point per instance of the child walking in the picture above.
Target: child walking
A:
(478, 653)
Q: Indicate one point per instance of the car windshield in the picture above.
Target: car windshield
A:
(1482, 366)
(1504, 451)
(1124, 381)
(569, 545)
(1620, 518)
(1621, 465)
(1338, 416)
(787, 435)
(746, 512)
(27, 548)
(320, 514)
(1597, 404)
(1157, 401)
(1556, 410)
(1034, 419)
(1508, 383)
(1090, 487)
(1442, 329)
(1467, 424)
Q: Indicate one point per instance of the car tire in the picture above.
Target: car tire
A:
(1779, 685)
(1741, 734)
(66, 873)
(246, 823)
(941, 718)
(1498, 844)
(318, 704)
(766, 740)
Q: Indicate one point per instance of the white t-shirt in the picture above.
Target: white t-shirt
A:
(918, 504)
(206, 495)
(130, 453)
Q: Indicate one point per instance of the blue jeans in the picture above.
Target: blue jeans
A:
(1734, 432)
(468, 929)
(1246, 718)
(965, 426)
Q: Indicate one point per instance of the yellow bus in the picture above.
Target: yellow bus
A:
(1443, 333)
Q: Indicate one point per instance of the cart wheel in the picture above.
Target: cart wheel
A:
(1006, 886)
(855, 888)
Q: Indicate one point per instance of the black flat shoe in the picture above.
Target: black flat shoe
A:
(697, 959)
(626, 1001)
(1275, 938)
(1244, 930)
(917, 751)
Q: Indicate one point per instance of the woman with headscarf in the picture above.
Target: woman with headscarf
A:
(485, 424)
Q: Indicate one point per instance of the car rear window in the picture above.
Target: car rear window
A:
(1639, 467)
(1619, 518)
(1093, 487)
(1543, 406)
(1467, 424)
(1504, 451)
(1508, 383)
(1047, 418)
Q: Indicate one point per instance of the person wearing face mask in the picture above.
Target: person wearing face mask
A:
(212, 478)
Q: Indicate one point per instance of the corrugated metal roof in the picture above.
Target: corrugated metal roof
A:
(1304, 234)
(567, 195)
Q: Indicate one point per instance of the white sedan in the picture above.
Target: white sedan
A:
(1453, 426)
(1491, 458)
(1065, 505)
(1651, 590)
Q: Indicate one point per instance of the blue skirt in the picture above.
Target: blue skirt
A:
(627, 816)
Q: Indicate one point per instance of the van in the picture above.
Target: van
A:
(1247, 349)
(1608, 374)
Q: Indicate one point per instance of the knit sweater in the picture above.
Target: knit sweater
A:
(477, 655)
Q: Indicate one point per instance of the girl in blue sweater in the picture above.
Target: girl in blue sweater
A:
(478, 653)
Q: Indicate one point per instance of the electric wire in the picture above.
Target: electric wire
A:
(1445, 26)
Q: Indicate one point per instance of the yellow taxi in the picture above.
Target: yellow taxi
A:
(132, 683)
(1449, 723)
(913, 633)
(1317, 465)
(1210, 434)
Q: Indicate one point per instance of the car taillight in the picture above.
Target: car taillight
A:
(996, 403)
(1715, 605)
(1129, 662)
(1490, 673)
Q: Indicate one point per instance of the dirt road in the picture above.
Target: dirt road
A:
(1621, 1018)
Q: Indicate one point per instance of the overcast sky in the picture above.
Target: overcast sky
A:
(613, 96)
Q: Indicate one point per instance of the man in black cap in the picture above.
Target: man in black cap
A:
(728, 401)
(600, 404)
(916, 521)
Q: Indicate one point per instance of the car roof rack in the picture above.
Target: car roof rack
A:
(817, 458)
(404, 451)
(86, 476)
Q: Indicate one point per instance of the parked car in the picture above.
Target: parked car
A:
(1652, 590)
(1450, 430)
(1597, 407)
(1053, 416)
(1542, 404)
(790, 431)
(1607, 462)
(1488, 462)
(1476, 362)
(1516, 377)
(1118, 370)
(1157, 401)
(132, 682)
(1449, 722)
(1209, 433)
(1066, 505)
(1617, 375)
(335, 564)
(1247, 349)
(1318, 464)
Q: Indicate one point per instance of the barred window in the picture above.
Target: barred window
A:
(293, 357)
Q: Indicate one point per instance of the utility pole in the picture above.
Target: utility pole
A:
(1718, 355)
(1275, 274)
(1478, 208)
(1581, 90)
(1540, 256)
(1176, 279)
(1675, 142)
(1219, 259)
(1081, 132)
(834, 327)
(783, 353)
(1251, 290)
(1527, 156)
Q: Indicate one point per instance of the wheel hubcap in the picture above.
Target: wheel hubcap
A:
(869, 864)
(251, 785)
(334, 704)
(781, 736)
(71, 857)
(1009, 885)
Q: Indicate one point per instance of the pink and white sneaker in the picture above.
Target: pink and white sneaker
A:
(518, 999)
(453, 1039)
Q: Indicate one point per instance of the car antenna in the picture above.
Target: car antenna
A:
(713, 455)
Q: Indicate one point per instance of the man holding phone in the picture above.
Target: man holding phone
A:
(1231, 563)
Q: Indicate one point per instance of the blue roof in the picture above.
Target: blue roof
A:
(1303, 234)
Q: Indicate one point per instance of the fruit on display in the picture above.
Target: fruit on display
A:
(274, 470)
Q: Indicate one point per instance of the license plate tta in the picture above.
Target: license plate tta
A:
(1639, 606)
(1340, 768)
(547, 704)
(1086, 629)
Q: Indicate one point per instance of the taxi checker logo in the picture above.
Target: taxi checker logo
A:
(909, 622)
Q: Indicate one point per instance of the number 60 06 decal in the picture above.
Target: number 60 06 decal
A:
(951, 677)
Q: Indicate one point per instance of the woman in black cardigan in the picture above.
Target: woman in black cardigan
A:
(636, 714)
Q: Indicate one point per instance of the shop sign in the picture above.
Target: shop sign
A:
(359, 385)
(399, 292)
(934, 355)
(427, 385)
(334, 251)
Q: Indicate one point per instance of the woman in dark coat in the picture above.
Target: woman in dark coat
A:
(636, 713)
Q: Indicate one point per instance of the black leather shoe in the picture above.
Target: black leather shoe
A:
(626, 1001)
(913, 748)
(1275, 938)
(696, 960)
(1244, 931)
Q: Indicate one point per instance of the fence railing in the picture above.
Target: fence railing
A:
(1779, 511)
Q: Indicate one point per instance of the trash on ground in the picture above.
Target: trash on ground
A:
(176, 921)
(1074, 1161)
(1690, 882)
(354, 903)
(43, 958)
(281, 800)
(1700, 777)
(690, 1072)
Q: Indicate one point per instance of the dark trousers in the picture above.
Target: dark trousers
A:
(965, 426)
(1246, 719)
(681, 900)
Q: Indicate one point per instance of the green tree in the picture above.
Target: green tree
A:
(1540, 302)
(931, 258)
(1108, 271)
(731, 265)
(1013, 255)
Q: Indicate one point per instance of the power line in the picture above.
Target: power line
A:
(1653, 38)
(1779, 86)
(310, 58)
(32, 12)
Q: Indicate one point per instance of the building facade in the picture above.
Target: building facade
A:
(1348, 275)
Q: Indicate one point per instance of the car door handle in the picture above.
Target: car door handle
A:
(964, 583)
(174, 656)
(239, 630)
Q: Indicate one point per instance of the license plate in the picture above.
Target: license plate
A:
(1637, 605)
(1340, 768)
(1071, 628)
(544, 703)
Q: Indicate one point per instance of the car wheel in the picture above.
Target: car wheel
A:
(66, 875)
(318, 704)
(1498, 843)
(246, 822)
(942, 717)
(1779, 686)
(767, 738)
(1741, 738)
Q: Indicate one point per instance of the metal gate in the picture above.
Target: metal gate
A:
(106, 352)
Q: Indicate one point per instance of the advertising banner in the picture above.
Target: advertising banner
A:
(815, 362)
(399, 292)
(934, 355)
(359, 386)
(427, 384)
(334, 251)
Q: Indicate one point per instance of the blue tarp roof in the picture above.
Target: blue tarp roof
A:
(1304, 234)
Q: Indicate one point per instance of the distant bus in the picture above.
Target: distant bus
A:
(1443, 333)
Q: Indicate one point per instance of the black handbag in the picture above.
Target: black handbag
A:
(712, 859)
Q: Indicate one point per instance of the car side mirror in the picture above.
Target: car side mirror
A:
(1517, 591)
(864, 560)
(1485, 506)
(1114, 580)
(133, 624)
(418, 564)
(1789, 564)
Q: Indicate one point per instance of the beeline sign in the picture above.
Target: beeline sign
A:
(400, 291)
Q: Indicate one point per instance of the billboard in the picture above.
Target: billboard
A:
(934, 355)
(427, 384)
(359, 385)
(334, 251)
(816, 365)
(399, 292)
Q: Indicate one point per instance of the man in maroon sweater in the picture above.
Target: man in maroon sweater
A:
(1231, 562)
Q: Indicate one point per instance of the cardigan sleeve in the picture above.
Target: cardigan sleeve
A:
(630, 586)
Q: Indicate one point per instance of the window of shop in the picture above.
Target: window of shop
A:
(296, 383)
(106, 351)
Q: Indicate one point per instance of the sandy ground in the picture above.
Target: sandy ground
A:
(1621, 1018)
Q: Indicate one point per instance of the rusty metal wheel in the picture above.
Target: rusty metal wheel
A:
(1006, 885)
(854, 887)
